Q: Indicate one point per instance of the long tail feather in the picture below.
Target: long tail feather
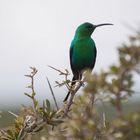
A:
(66, 98)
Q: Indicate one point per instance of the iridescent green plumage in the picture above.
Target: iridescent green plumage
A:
(82, 51)
(83, 54)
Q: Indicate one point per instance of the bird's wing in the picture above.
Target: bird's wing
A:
(94, 58)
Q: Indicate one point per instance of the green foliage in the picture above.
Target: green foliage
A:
(126, 128)
(81, 120)
(117, 81)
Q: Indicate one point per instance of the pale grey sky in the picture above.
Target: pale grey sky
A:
(39, 32)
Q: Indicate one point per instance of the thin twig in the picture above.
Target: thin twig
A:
(52, 93)
(32, 96)
(61, 72)
(13, 114)
(66, 82)
(104, 120)
(66, 73)
(5, 134)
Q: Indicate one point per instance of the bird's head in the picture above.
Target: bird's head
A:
(86, 29)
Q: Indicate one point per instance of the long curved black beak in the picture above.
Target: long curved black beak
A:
(103, 24)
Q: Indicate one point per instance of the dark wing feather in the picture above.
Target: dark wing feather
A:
(94, 58)
(74, 70)
(71, 53)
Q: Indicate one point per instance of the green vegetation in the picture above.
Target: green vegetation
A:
(82, 118)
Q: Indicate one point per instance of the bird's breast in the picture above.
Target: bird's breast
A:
(84, 54)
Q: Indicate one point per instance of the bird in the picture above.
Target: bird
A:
(82, 52)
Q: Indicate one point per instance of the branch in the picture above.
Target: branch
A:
(66, 81)
(32, 96)
(70, 102)
(60, 72)
(52, 93)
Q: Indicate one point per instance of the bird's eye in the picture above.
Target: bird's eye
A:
(89, 26)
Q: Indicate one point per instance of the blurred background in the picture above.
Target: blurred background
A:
(39, 32)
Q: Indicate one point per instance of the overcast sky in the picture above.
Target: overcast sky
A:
(39, 32)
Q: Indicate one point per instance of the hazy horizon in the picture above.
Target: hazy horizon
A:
(39, 33)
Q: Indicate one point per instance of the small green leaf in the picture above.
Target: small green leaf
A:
(36, 104)
(48, 104)
(114, 69)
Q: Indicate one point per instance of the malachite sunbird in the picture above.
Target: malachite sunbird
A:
(82, 51)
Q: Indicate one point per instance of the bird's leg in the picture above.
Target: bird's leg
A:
(70, 101)
(75, 78)
(80, 79)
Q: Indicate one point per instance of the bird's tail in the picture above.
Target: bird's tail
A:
(66, 97)
(72, 84)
